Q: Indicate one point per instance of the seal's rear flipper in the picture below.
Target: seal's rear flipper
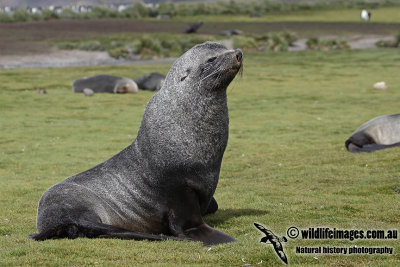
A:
(368, 148)
(142, 236)
(96, 230)
(208, 235)
(375, 147)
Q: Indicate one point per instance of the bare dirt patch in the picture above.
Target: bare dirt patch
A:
(56, 58)
(356, 41)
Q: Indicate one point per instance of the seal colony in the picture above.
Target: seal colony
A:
(105, 83)
(379, 133)
(158, 187)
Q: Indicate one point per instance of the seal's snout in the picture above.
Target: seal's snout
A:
(239, 55)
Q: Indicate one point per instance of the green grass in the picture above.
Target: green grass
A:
(144, 45)
(158, 45)
(285, 163)
(383, 15)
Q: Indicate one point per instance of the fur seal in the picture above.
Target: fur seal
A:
(104, 83)
(158, 187)
(193, 28)
(231, 32)
(152, 81)
(379, 133)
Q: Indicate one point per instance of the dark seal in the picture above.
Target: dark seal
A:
(193, 28)
(152, 81)
(231, 32)
(104, 83)
(159, 186)
(379, 133)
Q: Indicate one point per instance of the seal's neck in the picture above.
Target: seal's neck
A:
(196, 102)
(185, 129)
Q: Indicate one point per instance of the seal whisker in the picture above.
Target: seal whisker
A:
(220, 72)
(219, 68)
(240, 72)
(210, 75)
(241, 69)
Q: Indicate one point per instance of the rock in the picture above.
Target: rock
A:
(88, 92)
(380, 86)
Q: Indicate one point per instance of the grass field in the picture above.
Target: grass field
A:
(285, 164)
(383, 15)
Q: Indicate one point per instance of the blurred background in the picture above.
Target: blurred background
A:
(44, 33)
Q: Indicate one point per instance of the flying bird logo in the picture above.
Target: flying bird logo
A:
(273, 240)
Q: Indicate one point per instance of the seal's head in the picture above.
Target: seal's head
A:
(210, 65)
(125, 85)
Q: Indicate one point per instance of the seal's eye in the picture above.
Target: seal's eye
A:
(211, 59)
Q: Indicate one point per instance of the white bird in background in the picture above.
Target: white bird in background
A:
(365, 15)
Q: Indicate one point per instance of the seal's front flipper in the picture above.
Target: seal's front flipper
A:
(208, 235)
(352, 147)
(212, 207)
(100, 230)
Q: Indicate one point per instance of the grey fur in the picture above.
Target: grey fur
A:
(104, 83)
(165, 180)
(152, 81)
(378, 133)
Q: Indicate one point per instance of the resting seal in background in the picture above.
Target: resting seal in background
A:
(160, 186)
(379, 133)
(192, 28)
(152, 81)
(104, 83)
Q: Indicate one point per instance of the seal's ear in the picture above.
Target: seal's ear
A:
(185, 75)
(211, 59)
